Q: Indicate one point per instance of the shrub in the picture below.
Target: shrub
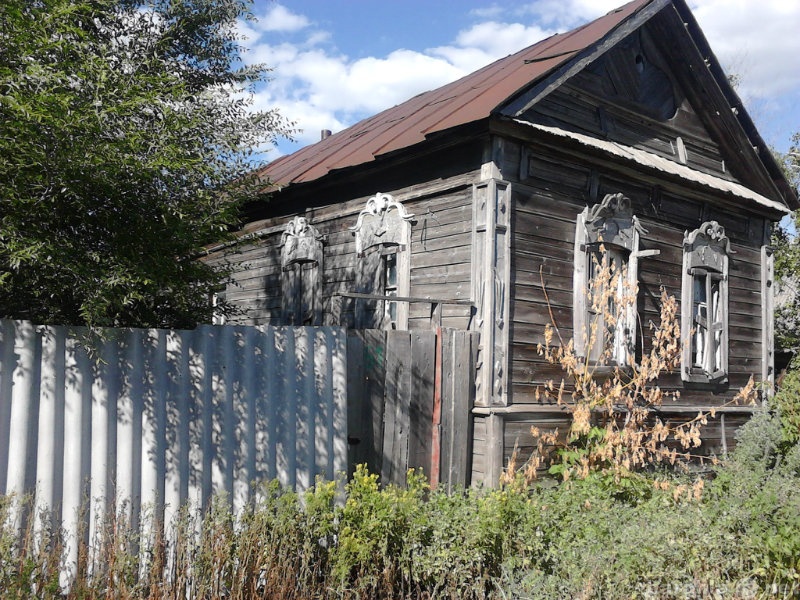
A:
(615, 429)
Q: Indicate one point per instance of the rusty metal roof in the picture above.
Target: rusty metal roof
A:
(471, 98)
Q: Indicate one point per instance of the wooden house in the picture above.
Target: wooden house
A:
(467, 202)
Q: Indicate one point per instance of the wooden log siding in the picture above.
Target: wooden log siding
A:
(591, 103)
(440, 256)
(546, 205)
(256, 287)
(441, 240)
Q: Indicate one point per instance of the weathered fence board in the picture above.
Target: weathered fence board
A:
(458, 395)
(392, 390)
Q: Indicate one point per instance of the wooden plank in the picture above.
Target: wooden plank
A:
(396, 412)
(421, 400)
(451, 256)
(429, 241)
(446, 410)
(460, 404)
(479, 439)
(359, 431)
(374, 369)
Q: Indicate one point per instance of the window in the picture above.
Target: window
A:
(605, 282)
(390, 288)
(301, 266)
(217, 299)
(704, 304)
(383, 238)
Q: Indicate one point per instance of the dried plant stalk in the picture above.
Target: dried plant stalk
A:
(615, 426)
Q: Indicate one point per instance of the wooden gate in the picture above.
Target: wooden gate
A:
(410, 396)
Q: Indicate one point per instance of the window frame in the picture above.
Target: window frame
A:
(301, 273)
(216, 299)
(608, 228)
(382, 230)
(706, 258)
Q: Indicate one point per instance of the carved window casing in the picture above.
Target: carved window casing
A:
(704, 304)
(383, 241)
(216, 299)
(606, 254)
(301, 273)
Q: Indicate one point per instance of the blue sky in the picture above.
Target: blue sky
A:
(337, 61)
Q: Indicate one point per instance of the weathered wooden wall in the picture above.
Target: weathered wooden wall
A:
(547, 200)
(440, 253)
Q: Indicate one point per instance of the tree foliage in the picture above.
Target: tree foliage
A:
(787, 260)
(126, 139)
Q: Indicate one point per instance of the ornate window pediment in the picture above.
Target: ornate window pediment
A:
(612, 223)
(383, 221)
(300, 243)
(707, 247)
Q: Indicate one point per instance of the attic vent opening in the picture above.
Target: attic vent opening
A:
(639, 63)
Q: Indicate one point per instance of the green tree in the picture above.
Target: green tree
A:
(126, 144)
(787, 259)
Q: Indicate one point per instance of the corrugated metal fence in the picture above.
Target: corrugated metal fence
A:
(156, 418)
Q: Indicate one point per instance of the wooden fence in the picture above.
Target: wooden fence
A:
(410, 395)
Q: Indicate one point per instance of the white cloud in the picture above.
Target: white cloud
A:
(488, 12)
(485, 42)
(759, 41)
(566, 14)
(323, 91)
(280, 18)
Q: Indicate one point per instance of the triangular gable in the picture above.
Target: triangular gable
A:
(647, 86)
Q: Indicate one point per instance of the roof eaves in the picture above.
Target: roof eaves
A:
(738, 109)
(663, 165)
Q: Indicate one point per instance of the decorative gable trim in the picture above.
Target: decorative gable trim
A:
(525, 100)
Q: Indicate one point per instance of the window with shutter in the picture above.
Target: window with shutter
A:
(383, 240)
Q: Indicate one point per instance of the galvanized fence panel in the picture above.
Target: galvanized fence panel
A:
(140, 419)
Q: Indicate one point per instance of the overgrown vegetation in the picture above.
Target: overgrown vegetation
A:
(738, 537)
(613, 400)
